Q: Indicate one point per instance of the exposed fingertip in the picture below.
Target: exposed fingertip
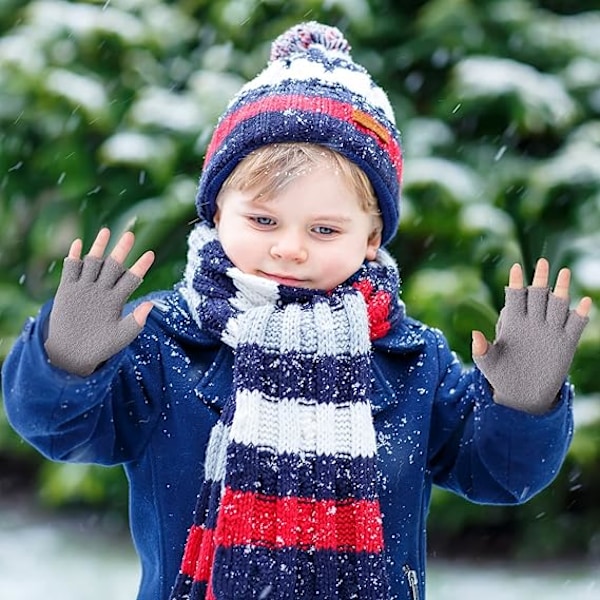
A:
(515, 276)
(585, 305)
(75, 248)
(478, 344)
(141, 313)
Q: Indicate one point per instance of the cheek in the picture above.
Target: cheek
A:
(241, 249)
(337, 267)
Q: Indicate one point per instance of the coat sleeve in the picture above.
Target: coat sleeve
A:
(105, 418)
(490, 453)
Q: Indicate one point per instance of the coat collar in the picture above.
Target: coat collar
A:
(170, 308)
(172, 315)
(405, 338)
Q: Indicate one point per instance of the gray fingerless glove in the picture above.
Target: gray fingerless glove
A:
(536, 338)
(86, 327)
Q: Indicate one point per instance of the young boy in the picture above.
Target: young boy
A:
(280, 418)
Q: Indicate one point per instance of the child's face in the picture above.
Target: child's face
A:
(312, 234)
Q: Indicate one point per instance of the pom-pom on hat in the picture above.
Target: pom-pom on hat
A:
(311, 91)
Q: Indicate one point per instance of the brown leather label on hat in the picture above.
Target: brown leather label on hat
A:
(371, 124)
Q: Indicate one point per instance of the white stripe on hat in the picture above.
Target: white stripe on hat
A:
(356, 80)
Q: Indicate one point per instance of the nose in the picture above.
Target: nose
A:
(289, 247)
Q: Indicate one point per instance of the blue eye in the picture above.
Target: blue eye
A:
(264, 221)
(324, 230)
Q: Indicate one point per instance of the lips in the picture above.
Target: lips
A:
(284, 279)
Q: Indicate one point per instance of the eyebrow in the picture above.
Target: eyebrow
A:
(341, 219)
(334, 218)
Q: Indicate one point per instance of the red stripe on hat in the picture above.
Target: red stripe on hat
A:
(340, 110)
(246, 518)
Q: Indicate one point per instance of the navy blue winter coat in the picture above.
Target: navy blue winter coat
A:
(151, 407)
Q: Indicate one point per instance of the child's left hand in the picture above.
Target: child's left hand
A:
(536, 338)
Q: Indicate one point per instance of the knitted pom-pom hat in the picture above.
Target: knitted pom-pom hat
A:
(311, 91)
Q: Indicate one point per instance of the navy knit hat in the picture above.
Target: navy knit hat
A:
(311, 91)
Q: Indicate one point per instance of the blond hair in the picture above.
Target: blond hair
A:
(269, 169)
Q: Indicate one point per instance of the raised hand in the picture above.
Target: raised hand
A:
(536, 338)
(86, 325)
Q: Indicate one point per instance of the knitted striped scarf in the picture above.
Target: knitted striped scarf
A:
(289, 507)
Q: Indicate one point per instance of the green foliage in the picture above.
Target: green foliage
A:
(73, 485)
(106, 108)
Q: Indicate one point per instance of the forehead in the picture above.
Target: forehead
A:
(317, 196)
(315, 210)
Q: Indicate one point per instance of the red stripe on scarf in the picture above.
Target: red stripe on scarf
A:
(333, 108)
(199, 553)
(246, 518)
(379, 307)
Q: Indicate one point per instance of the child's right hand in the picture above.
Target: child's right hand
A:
(86, 325)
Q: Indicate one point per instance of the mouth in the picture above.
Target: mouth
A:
(284, 279)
